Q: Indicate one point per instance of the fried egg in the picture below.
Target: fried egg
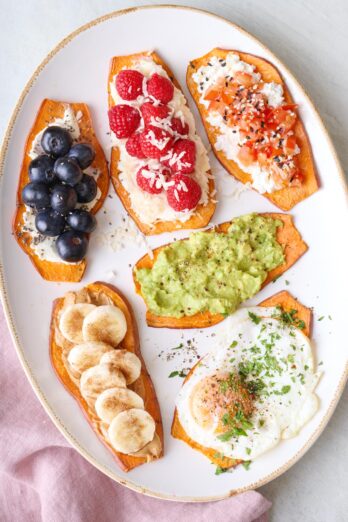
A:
(255, 388)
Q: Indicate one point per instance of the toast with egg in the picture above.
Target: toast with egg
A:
(203, 212)
(287, 236)
(49, 111)
(284, 198)
(284, 301)
(82, 365)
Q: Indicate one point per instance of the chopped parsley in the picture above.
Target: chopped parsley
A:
(178, 347)
(255, 318)
(283, 391)
(246, 464)
(220, 470)
(248, 451)
(321, 318)
(289, 318)
(234, 344)
(181, 373)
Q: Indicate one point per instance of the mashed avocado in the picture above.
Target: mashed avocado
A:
(212, 271)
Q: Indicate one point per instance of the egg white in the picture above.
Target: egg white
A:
(287, 401)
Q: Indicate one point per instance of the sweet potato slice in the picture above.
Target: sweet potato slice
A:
(288, 236)
(143, 385)
(285, 198)
(287, 303)
(203, 214)
(49, 111)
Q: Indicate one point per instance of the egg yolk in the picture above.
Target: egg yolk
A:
(219, 401)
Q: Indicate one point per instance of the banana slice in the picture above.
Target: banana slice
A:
(86, 355)
(71, 321)
(99, 378)
(127, 362)
(114, 400)
(131, 430)
(106, 324)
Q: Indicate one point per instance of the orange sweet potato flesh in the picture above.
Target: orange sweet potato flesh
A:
(287, 235)
(285, 198)
(48, 111)
(287, 303)
(143, 385)
(203, 214)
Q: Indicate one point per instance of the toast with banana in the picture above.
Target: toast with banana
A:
(95, 351)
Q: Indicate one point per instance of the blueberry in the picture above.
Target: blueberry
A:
(56, 141)
(68, 170)
(86, 189)
(36, 195)
(41, 169)
(49, 222)
(82, 221)
(63, 198)
(72, 246)
(83, 153)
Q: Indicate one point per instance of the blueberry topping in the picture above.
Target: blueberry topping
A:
(56, 141)
(72, 246)
(68, 170)
(82, 221)
(63, 198)
(83, 153)
(49, 223)
(41, 169)
(36, 195)
(86, 189)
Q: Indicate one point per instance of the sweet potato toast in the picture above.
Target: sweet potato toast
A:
(59, 348)
(287, 303)
(284, 198)
(49, 111)
(202, 214)
(288, 236)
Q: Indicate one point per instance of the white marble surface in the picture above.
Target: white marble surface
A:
(310, 37)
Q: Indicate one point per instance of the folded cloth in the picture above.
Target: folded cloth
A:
(44, 479)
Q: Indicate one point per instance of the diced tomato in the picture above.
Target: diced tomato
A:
(289, 145)
(213, 93)
(290, 106)
(285, 119)
(244, 79)
(217, 106)
(247, 155)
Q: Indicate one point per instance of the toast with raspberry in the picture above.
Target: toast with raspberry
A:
(159, 165)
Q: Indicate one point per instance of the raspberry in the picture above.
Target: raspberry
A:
(160, 88)
(182, 157)
(155, 142)
(129, 84)
(152, 180)
(123, 120)
(149, 110)
(177, 126)
(184, 194)
(133, 146)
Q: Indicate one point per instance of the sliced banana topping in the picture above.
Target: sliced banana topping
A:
(131, 430)
(106, 324)
(127, 362)
(99, 378)
(114, 400)
(86, 355)
(71, 321)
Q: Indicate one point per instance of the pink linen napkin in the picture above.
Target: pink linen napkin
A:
(44, 479)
